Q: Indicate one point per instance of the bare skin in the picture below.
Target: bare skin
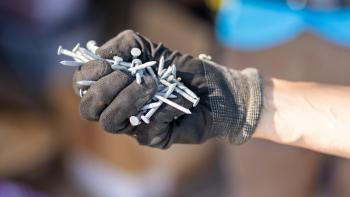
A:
(309, 115)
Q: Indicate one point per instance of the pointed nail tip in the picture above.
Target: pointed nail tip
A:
(76, 47)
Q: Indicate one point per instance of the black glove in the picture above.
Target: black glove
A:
(230, 100)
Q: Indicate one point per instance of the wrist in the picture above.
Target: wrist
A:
(279, 96)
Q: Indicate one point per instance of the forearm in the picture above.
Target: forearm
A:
(308, 115)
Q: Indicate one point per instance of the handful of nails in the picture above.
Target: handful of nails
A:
(166, 78)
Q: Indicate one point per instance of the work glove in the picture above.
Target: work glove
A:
(230, 100)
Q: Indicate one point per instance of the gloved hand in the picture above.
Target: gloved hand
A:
(229, 107)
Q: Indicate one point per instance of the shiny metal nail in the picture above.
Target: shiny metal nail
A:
(173, 104)
(166, 73)
(182, 93)
(134, 120)
(151, 105)
(92, 46)
(150, 113)
(160, 66)
(173, 70)
(71, 63)
(85, 82)
(62, 51)
(142, 66)
(82, 92)
(135, 52)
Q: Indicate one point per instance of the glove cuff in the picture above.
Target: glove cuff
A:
(236, 100)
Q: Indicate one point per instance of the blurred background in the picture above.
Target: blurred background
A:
(46, 149)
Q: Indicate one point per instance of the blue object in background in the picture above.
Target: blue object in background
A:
(257, 25)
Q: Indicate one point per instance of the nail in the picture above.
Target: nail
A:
(150, 113)
(173, 71)
(134, 63)
(118, 67)
(142, 66)
(85, 82)
(172, 96)
(138, 77)
(121, 63)
(204, 57)
(173, 104)
(82, 92)
(161, 66)
(182, 93)
(117, 59)
(135, 52)
(166, 73)
(184, 88)
(134, 120)
(85, 57)
(89, 54)
(170, 78)
(62, 51)
(75, 49)
(71, 63)
(151, 72)
(151, 105)
(91, 45)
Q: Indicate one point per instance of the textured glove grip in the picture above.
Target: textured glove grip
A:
(236, 100)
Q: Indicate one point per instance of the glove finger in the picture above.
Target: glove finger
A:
(91, 71)
(101, 94)
(121, 46)
(157, 133)
(192, 129)
(115, 118)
